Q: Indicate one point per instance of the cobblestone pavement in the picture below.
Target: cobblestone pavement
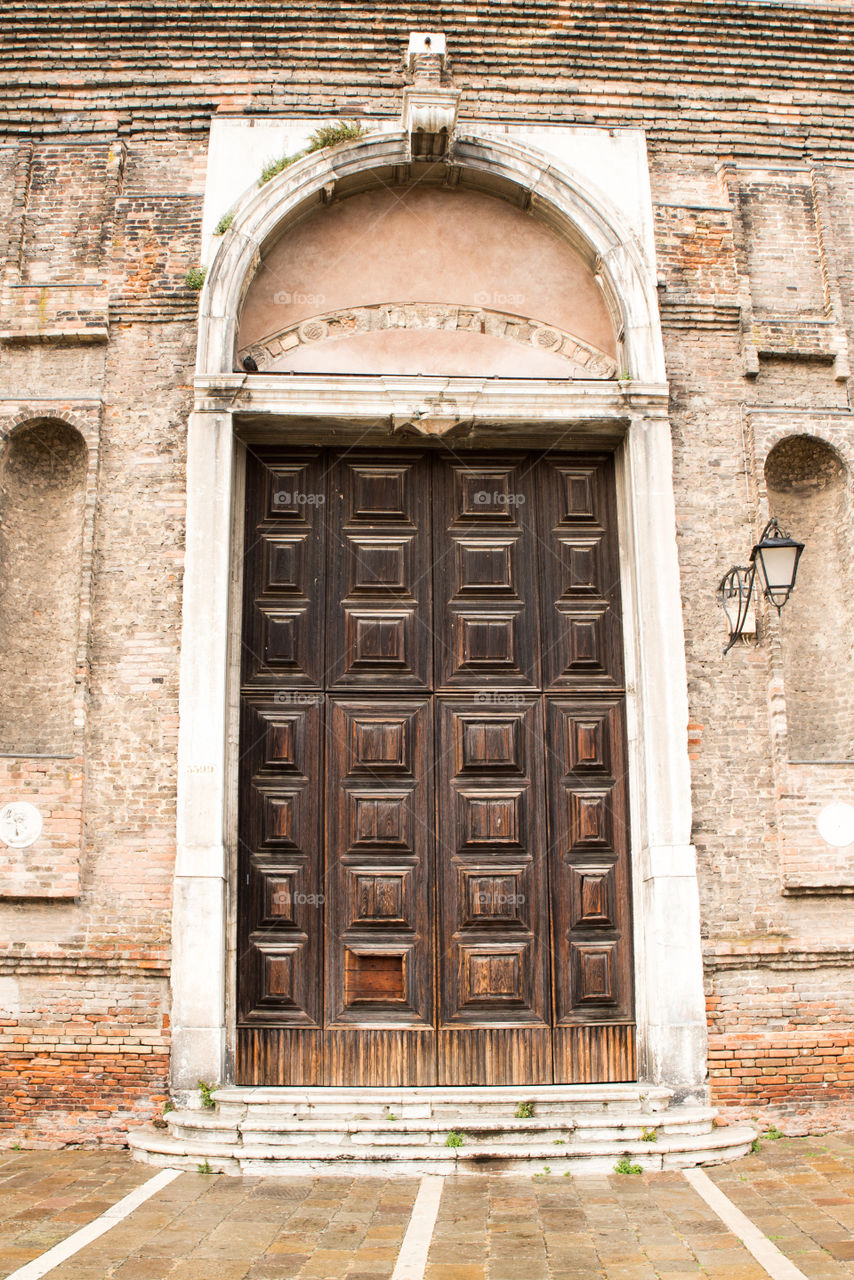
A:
(799, 1192)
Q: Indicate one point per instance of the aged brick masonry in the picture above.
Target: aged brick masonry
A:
(489, 285)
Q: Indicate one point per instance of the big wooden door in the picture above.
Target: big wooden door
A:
(433, 867)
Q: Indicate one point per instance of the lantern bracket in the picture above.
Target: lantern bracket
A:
(777, 576)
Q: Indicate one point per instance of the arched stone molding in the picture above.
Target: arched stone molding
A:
(580, 359)
(583, 216)
(631, 412)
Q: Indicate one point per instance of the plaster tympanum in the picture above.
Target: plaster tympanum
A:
(424, 244)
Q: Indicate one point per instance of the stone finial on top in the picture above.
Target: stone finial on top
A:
(426, 56)
(429, 109)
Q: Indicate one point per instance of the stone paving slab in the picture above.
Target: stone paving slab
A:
(800, 1192)
(47, 1195)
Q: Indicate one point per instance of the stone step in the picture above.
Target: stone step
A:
(423, 1102)
(271, 1127)
(251, 1158)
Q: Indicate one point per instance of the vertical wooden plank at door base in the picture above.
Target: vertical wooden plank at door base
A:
(495, 1055)
(379, 1056)
(278, 1056)
(601, 1053)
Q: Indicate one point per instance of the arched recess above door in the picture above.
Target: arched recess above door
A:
(603, 291)
(426, 279)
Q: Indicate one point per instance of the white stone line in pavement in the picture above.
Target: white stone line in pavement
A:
(412, 1259)
(766, 1254)
(109, 1218)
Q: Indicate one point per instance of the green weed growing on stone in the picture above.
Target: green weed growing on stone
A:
(276, 166)
(772, 1133)
(195, 278)
(204, 1167)
(206, 1090)
(454, 1139)
(328, 135)
(649, 1135)
(524, 1111)
(625, 1165)
(755, 1146)
(223, 224)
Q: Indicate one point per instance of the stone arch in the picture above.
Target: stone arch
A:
(808, 489)
(497, 166)
(43, 477)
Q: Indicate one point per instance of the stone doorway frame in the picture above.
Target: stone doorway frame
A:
(631, 414)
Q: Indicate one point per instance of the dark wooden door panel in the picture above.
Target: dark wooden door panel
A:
(594, 1053)
(379, 602)
(589, 846)
(379, 952)
(485, 607)
(284, 546)
(494, 928)
(495, 1055)
(579, 564)
(280, 861)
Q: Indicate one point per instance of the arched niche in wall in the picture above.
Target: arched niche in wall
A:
(427, 280)
(43, 470)
(807, 485)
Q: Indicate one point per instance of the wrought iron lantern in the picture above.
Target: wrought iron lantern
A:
(775, 559)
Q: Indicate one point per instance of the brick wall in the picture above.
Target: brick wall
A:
(84, 1046)
(780, 1045)
(85, 911)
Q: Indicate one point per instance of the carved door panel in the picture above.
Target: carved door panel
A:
(285, 545)
(486, 621)
(379, 600)
(594, 1033)
(579, 566)
(280, 867)
(494, 920)
(379, 943)
(491, 853)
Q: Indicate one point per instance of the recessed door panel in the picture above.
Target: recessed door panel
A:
(284, 548)
(281, 862)
(580, 583)
(589, 861)
(379, 955)
(378, 575)
(492, 872)
(485, 607)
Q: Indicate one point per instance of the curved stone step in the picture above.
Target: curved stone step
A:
(269, 1127)
(252, 1157)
